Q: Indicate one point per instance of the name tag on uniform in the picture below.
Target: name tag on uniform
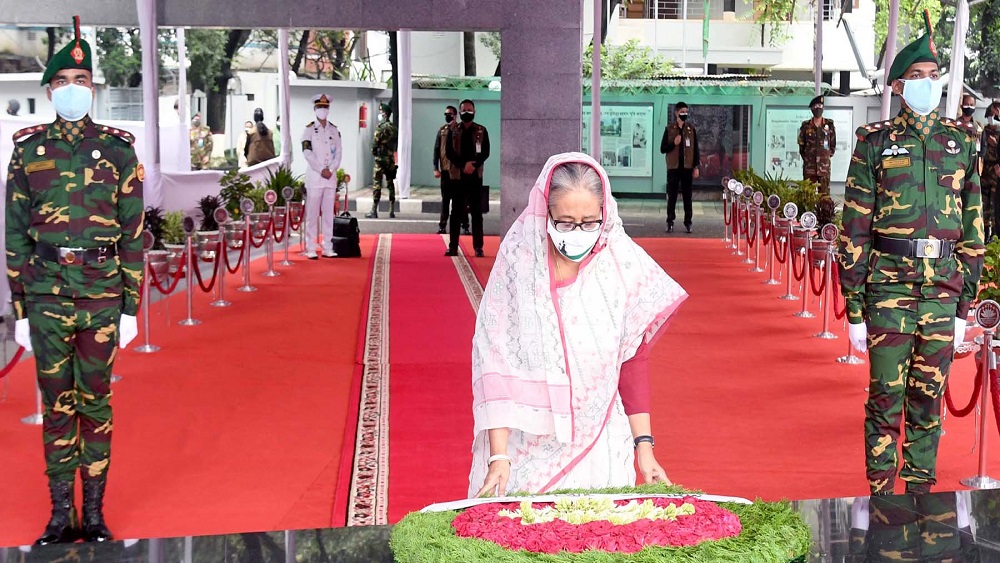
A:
(687, 142)
(479, 147)
(898, 162)
(40, 165)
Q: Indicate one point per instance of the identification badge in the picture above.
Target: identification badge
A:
(826, 144)
(479, 147)
(687, 142)
(898, 162)
(40, 165)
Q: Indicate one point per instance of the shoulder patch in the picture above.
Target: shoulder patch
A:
(114, 131)
(27, 131)
(310, 124)
(875, 127)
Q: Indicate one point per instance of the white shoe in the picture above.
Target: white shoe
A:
(330, 254)
(311, 255)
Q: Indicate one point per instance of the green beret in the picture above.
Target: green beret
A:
(385, 108)
(76, 54)
(816, 100)
(920, 51)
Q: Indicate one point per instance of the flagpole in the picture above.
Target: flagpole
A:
(684, 26)
(595, 87)
(818, 64)
(890, 55)
(704, 40)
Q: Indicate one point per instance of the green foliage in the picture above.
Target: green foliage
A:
(491, 40)
(776, 14)
(206, 52)
(207, 206)
(989, 282)
(630, 61)
(235, 186)
(281, 177)
(803, 193)
(153, 221)
(772, 532)
(119, 52)
(911, 22)
(256, 195)
(173, 228)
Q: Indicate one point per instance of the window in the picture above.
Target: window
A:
(32, 36)
(249, 97)
(31, 105)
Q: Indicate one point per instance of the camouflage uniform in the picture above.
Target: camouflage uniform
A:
(816, 146)
(383, 149)
(910, 177)
(201, 147)
(989, 180)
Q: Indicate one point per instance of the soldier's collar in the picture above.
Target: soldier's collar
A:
(917, 124)
(86, 125)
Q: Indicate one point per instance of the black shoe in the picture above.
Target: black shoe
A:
(392, 214)
(63, 526)
(466, 231)
(688, 227)
(441, 231)
(94, 528)
(479, 253)
(372, 215)
(918, 488)
(670, 227)
(451, 253)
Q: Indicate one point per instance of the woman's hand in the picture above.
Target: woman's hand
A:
(650, 469)
(496, 479)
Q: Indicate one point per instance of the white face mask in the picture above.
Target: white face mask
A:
(72, 101)
(923, 95)
(574, 245)
(322, 113)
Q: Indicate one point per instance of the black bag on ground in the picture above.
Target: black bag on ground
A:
(346, 236)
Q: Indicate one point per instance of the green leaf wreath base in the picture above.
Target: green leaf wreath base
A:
(772, 533)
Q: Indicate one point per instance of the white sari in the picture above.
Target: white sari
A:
(546, 359)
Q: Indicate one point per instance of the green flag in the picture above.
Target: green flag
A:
(704, 33)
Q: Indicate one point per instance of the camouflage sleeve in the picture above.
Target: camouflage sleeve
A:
(855, 239)
(970, 248)
(20, 246)
(833, 138)
(801, 142)
(130, 217)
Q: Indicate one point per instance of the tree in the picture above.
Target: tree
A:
(491, 40)
(469, 52)
(119, 52)
(629, 61)
(317, 53)
(911, 23)
(211, 52)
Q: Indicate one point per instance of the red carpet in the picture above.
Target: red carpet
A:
(235, 425)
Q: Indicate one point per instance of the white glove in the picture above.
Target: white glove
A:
(959, 331)
(857, 333)
(22, 334)
(128, 329)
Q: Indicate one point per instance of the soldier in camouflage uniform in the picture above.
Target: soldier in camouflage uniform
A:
(384, 151)
(817, 143)
(911, 253)
(74, 262)
(988, 146)
(931, 527)
(201, 144)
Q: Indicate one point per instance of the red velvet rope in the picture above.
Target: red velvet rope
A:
(734, 219)
(293, 223)
(784, 251)
(765, 232)
(263, 239)
(215, 271)
(239, 261)
(284, 229)
(977, 388)
(801, 271)
(838, 297)
(173, 283)
(751, 238)
(818, 292)
(13, 362)
(727, 216)
(995, 393)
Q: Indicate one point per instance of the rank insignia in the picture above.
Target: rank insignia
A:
(77, 54)
(40, 151)
(895, 150)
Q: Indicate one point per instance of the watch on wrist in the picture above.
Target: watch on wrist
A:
(640, 439)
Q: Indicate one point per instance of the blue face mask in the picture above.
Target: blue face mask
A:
(72, 101)
(923, 95)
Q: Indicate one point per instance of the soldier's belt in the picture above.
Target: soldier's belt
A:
(75, 256)
(914, 247)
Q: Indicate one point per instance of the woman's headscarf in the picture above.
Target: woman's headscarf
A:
(521, 376)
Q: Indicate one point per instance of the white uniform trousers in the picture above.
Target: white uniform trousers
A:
(320, 201)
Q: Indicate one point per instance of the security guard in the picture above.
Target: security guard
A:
(990, 178)
(75, 263)
(321, 147)
(817, 143)
(911, 254)
(384, 151)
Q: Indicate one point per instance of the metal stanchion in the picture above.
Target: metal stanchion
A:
(773, 202)
(758, 199)
(189, 228)
(247, 207)
(271, 197)
(850, 358)
(35, 419)
(221, 253)
(747, 203)
(287, 192)
(147, 244)
(726, 184)
(829, 234)
(790, 211)
(988, 317)
(736, 220)
(808, 222)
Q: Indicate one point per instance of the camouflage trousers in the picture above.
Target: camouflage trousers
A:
(988, 183)
(75, 343)
(912, 528)
(910, 350)
(385, 169)
(822, 181)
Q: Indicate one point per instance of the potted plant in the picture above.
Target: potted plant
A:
(281, 178)
(174, 239)
(154, 224)
(207, 206)
(235, 186)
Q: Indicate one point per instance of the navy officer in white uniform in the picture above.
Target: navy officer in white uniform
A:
(322, 150)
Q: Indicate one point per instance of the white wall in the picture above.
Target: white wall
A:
(434, 53)
(21, 87)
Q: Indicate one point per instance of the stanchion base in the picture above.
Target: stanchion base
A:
(246, 288)
(850, 359)
(747, 260)
(789, 297)
(34, 420)
(220, 303)
(737, 253)
(771, 282)
(805, 315)
(115, 378)
(147, 349)
(271, 274)
(286, 263)
(757, 270)
(981, 482)
(825, 335)
(189, 322)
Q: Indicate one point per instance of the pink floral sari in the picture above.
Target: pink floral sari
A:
(546, 357)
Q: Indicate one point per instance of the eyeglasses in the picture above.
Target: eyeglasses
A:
(570, 226)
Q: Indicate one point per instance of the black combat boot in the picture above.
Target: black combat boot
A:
(374, 213)
(392, 209)
(94, 528)
(64, 526)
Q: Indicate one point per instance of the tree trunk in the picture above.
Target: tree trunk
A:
(394, 64)
(300, 53)
(469, 50)
(218, 96)
(606, 12)
(50, 32)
